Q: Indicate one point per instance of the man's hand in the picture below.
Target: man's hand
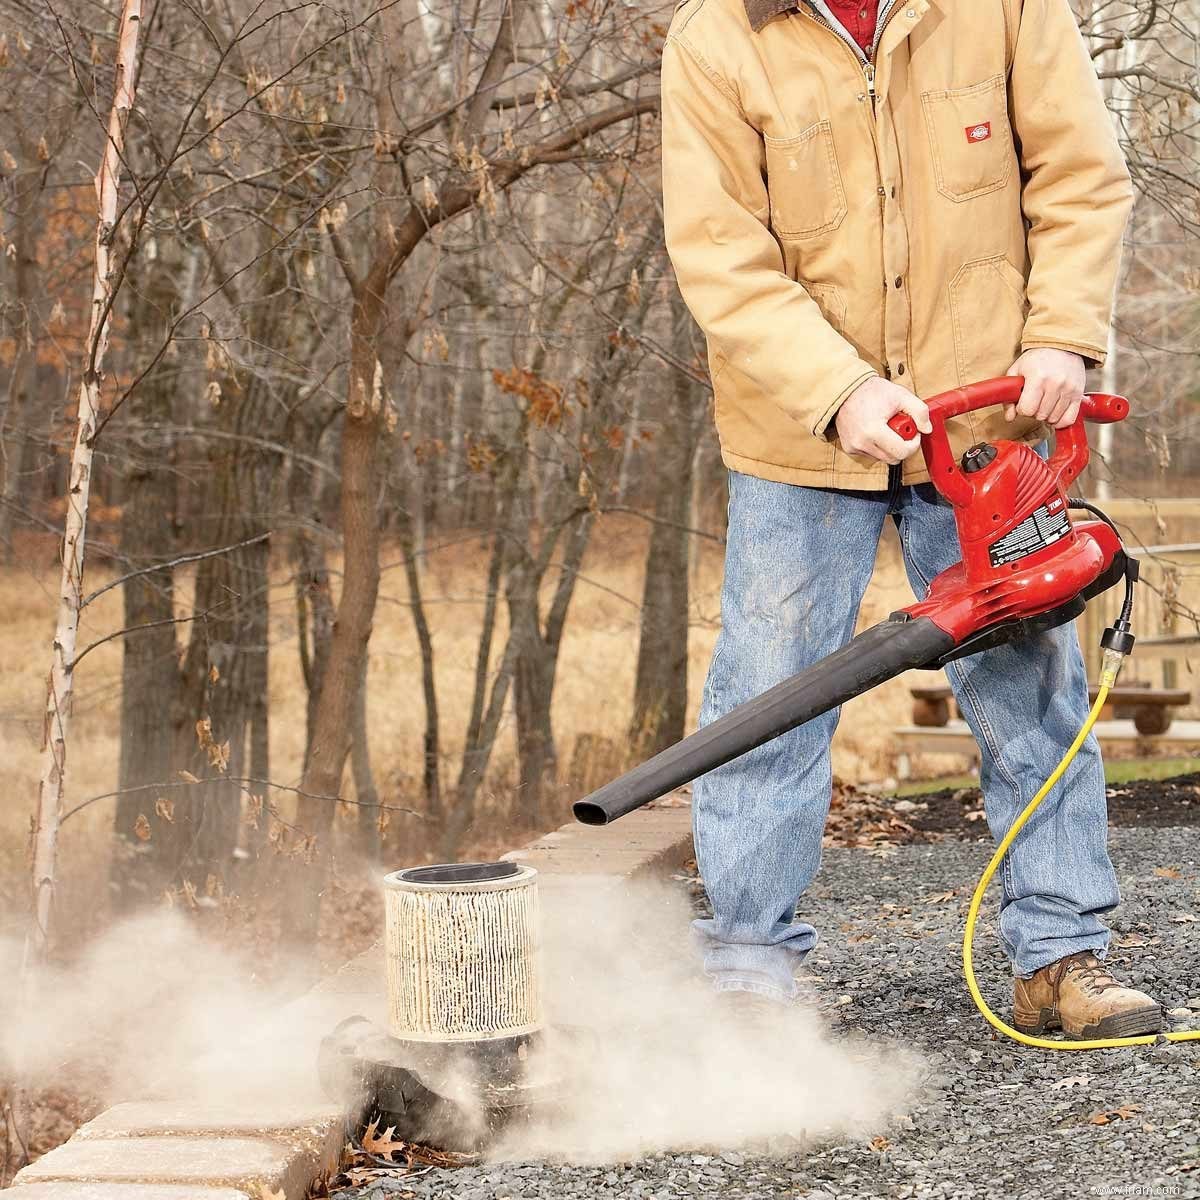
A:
(861, 422)
(1053, 390)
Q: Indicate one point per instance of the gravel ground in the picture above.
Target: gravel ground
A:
(995, 1119)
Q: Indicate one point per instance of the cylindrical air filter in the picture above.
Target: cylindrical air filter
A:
(462, 952)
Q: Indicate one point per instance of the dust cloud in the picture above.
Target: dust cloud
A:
(153, 1009)
(656, 1064)
(643, 1058)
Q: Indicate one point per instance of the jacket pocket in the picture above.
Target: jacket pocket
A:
(829, 300)
(804, 183)
(970, 138)
(987, 310)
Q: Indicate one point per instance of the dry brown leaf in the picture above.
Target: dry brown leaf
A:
(880, 1144)
(383, 1144)
(141, 827)
(1122, 1112)
(1070, 1081)
(1167, 872)
(165, 809)
(1131, 941)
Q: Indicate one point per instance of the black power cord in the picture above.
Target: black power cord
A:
(1118, 635)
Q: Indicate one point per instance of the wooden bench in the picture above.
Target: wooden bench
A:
(1114, 736)
(1149, 708)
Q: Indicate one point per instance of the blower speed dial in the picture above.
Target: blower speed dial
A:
(978, 456)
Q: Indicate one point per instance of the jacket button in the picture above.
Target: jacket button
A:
(900, 369)
(881, 190)
(899, 281)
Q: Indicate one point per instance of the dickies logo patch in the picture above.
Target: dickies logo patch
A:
(980, 132)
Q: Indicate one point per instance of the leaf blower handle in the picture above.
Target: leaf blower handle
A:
(1004, 390)
(1070, 444)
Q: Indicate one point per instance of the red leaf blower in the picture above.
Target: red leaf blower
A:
(1026, 567)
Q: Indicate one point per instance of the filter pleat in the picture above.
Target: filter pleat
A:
(462, 956)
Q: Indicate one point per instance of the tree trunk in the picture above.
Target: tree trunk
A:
(149, 670)
(431, 750)
(364, 430)
(56, 724)
(367, 822)
(660, 689)
(24, 366)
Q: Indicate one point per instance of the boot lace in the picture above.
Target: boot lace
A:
(1094, 977)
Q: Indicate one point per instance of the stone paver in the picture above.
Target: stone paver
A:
(126, 1191)
(255, 1165)
(151, 1119)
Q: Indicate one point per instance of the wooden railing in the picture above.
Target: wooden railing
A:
(1167, 615)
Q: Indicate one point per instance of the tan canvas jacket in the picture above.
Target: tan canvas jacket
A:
(924, 215)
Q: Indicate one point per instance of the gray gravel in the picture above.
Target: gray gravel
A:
(995, 1119)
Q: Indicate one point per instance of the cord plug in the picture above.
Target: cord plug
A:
(1118, 637)
(1110, 667)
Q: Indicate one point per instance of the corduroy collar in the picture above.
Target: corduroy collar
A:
(761, 11)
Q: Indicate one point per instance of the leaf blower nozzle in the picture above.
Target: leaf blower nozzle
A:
(881, 652)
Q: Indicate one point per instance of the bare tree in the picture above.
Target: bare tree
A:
(62, 666)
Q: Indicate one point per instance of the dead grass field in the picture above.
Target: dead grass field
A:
(593, 697)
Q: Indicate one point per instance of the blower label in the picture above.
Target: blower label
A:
(1040, 529)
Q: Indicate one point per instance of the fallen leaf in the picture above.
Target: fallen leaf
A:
(1070, 1081)
(880, 1144)
(1167, 872)
(383, 1144)
(141, 827)
(1121, 1113)
(1185, 918)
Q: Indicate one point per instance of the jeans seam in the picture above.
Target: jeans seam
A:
(989, 736)
(993, 746)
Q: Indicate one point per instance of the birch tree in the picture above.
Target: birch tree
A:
(56, 724)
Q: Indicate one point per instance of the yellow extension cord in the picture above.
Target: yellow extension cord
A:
(1108, 677)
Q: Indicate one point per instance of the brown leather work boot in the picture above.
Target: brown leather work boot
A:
(1079, 995)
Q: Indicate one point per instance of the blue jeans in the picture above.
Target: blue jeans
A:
(797, 562)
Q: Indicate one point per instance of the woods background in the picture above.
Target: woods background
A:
(405, 511)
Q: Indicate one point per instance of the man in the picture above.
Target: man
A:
(866, 203)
